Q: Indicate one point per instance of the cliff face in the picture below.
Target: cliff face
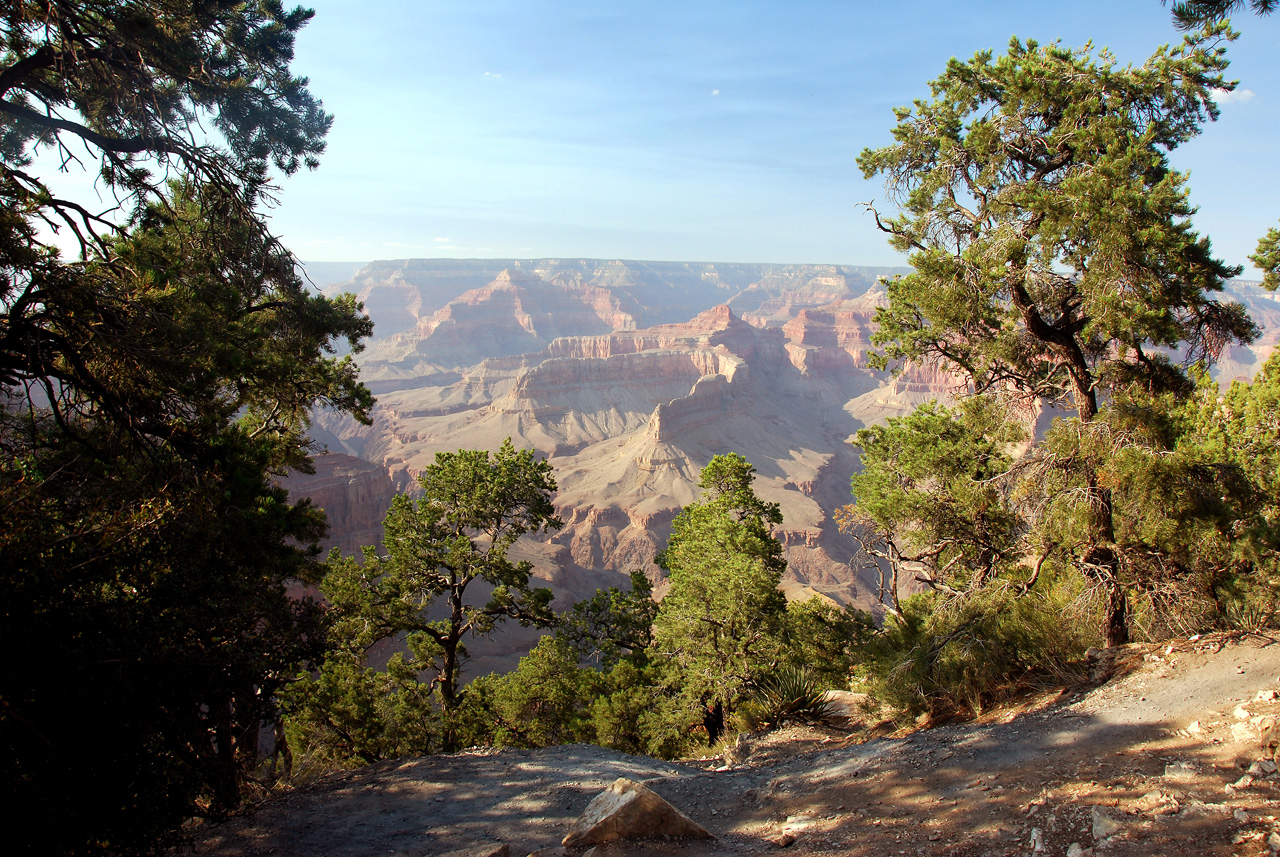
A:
(629, 377)
(354, 495)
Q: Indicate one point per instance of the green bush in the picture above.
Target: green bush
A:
(545, 701)
(963, 654)
(1248, 603)
(826, 640)
(636, 712)
(350, 714)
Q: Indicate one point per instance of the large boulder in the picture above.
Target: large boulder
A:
(628, 810)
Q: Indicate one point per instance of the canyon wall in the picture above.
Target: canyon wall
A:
(629, 377)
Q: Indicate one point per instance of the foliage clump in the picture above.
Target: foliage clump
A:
(620, 670)
(1055, 265)
(421, 594)
(151, 390)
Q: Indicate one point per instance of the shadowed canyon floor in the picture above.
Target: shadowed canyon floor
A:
(1154, 762)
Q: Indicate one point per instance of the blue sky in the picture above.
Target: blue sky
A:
(687, 130)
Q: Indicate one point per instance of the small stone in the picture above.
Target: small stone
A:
(1241, 713)
(1179, 772)
(1268, 733)
(1273, 841)
(1241, 816)
(1268, 767)
(782, 840)
(1104, 826)
(1075, 849)
(1243, 732)
(1255, 770)
(1194, 727)
(1149, 801)
(1037, 839)
(1267, 696)
(1244, 782)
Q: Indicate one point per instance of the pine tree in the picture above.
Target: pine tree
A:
(1052, 245)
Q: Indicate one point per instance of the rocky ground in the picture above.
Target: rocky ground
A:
(1170, 756)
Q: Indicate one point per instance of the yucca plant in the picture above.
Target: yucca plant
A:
(789, 693)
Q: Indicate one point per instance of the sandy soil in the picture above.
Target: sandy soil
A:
(1153, 762)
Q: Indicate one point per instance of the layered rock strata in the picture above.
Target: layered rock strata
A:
(629, 377)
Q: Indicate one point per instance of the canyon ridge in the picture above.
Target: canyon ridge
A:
(629, 377)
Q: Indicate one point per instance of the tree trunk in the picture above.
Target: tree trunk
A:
(224, 776)
(1117, 615)
(1101, 560)
(713, 722)
(1102, 563)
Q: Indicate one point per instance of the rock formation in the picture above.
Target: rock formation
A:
(354, 494)
(629, 810)
(629, 377)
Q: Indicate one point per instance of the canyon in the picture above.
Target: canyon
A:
(629, 377)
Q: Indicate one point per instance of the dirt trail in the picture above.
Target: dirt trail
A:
(1158, 751)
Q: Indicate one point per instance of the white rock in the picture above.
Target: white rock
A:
(1273, 841)
(1037, 839)
(1243, 732)
(628, 810)
(1104, 825)
(1075, 849)
(1267, 696)
(1241, 713)
(1150, 801)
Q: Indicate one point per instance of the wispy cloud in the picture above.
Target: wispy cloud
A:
(442, 240)
(492, 74)
(1235, 96)
(715, 92)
